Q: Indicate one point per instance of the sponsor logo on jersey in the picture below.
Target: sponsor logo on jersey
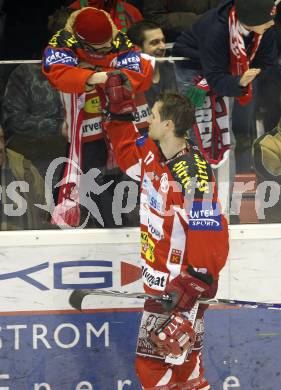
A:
(175, 257)
(142, 114)
(181, 171)
(53, 57)
(130, 60)
(154, 199)
(155, 227)
(203, 178)
(201, 181)
(91, 127)
(154, 279)
(204, 216)
(147, 247)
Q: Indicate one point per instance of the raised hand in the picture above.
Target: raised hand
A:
(249, 76)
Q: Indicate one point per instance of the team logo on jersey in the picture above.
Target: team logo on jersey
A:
(164, 183)
(175, 257)
(205, 216)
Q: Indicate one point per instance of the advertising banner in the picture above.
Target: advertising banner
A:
(47, 345)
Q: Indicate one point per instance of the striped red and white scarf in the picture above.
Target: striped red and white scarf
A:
(67, 212)
(212, 126)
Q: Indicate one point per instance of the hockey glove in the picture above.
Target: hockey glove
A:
(186, 288)
(119, 94)
(174, 336)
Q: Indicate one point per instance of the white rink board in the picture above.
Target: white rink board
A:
(253, 269)
(252, 272)
(47, 265)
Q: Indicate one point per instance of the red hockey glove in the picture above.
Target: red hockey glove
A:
(119, 94)
(174, 336)
(186, 288)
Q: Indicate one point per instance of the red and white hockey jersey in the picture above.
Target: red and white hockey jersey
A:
(181, 222)
(68, 66)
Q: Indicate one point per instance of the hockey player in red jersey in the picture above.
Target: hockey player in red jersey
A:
(184, 236)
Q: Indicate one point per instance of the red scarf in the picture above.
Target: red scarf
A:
(67, 212)
(212, 126)
(239, 61)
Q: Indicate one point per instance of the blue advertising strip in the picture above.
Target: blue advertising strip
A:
(243, 349)
(95, 351)
(69, 352)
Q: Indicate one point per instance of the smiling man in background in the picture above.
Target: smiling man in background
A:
(150, 38)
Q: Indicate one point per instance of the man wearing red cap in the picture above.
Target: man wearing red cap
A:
(76, 62)
(122, 13)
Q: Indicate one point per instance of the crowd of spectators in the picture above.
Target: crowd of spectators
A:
(33, 126)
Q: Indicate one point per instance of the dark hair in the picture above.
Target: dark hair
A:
(136, 32)
(178, 109)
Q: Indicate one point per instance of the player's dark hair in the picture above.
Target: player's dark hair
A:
(136, 32)
(178, 109)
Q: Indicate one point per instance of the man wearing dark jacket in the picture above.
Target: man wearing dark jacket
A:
(229, 46)
(207, 45)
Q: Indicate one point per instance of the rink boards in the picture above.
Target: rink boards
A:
(46, 345)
